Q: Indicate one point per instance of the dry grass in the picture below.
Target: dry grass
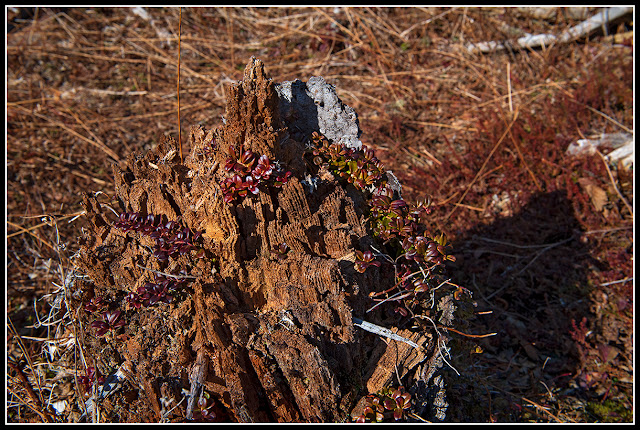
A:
(482, 135)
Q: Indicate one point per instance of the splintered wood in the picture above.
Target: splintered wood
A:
(268, 339)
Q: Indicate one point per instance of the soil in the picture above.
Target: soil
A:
(268, 339)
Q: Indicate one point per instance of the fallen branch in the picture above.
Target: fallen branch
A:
(605, 16)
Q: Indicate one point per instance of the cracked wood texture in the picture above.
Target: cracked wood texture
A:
(270, 340)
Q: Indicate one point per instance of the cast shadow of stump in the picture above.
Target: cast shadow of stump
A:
(530, 270)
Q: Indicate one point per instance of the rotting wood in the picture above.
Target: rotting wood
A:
(268, 339)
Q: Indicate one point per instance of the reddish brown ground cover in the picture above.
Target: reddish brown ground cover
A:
(543, 240)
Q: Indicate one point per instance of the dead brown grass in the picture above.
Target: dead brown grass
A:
(482, 135)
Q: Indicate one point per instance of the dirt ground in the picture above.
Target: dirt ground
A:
(543, 239)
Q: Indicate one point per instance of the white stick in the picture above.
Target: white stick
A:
(376, 329)
(605, 16)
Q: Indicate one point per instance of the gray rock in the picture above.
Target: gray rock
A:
(315, 106)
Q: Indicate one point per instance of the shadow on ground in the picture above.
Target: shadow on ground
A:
(530, 270)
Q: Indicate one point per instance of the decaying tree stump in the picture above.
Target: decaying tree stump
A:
(268, 339)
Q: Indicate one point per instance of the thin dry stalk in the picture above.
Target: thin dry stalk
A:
(38, 408)
(493, 150)
(37, 399)
(35, 236)
(613, 184)
(27, 230)
(55, 123)
(178, 84)
(542, 409)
